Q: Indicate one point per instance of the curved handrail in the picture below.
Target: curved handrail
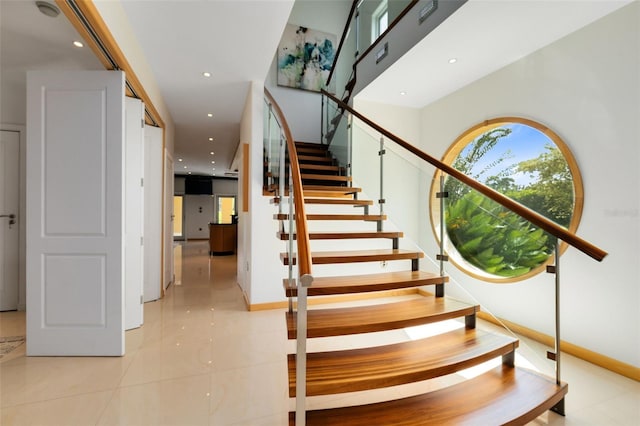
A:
(302, 233)
(523, 211)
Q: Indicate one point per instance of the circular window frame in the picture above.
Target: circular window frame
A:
(460, 143)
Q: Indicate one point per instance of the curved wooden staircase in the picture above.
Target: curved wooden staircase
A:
(504, 395)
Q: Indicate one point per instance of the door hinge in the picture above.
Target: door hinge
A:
(142, 123)
(141, 300)
(141, 241)
(141, 181)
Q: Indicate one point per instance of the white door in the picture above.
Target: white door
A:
(75, 213)
(9, 235)
(168, 223)
(134, 213)
(153, 228)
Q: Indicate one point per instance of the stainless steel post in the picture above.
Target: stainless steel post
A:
(291, 228)
(281, 172)
(381, 201)
(301, 350)
(557, 307)
(442, 225)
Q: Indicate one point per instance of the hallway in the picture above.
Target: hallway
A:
(202, 359)
(185, 366)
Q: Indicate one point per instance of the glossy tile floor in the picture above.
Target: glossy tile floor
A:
(202, 359)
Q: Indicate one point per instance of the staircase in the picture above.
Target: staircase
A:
(504, 395)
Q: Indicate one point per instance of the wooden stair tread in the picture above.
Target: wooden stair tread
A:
(400, 363)
(311, 150)
(307, 143)
(315, 159)
(354, 256)
(344, 235)
(324, 286)
(334, 201)
(336, 178)
(379, 317)
(504, 395)
(329, 190)
(322, 167)
(338, 201)
(365, 217)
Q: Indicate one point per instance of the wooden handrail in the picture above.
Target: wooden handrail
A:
(521, 210)
(342, 38)
(302, 233)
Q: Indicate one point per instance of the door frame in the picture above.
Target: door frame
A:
(22, 146)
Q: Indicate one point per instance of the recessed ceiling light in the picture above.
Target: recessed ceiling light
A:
(47, 8)
(188, 173)
(210, 115)
(403, 93)
(185, 167)
(211, 139)
(213, 162)
(453, 60)
(78, 44)
(213, 168)
(206, 74)
(212, 153)
(179, 159)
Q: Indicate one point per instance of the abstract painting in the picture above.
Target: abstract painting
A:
(305, 58)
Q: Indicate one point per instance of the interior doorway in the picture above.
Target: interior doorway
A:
(9, 215)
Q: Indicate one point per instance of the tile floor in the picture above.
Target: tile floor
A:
(202, 359)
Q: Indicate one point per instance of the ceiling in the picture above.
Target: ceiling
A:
(483, 36)
(235, 40)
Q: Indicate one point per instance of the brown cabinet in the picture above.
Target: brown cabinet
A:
(222, 238)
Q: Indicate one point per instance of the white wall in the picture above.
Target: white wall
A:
(586, 87)
(260, 271)
(198, 213)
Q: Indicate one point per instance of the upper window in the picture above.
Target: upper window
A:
(525, 161)
(379, 20)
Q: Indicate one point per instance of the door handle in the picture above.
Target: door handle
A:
(11, 217)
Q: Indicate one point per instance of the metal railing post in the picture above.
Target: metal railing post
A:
(381, 200)
(556, 355)
(322, 132)
(281, 172)
(304, 282)
(349, 146)
(557, 309)
(291, 228)
(269, 154)
(559, 407)
(441, 256)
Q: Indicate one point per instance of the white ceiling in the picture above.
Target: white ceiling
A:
(236, 41)
(233, 40)
(484, 36)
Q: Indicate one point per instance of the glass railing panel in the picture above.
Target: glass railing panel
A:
(337, 135)
(409, 187)
(366, 171)
(275, 136)
(342, 68)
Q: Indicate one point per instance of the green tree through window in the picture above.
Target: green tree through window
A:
(524, 161)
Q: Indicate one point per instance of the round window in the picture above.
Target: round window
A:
(525, 161)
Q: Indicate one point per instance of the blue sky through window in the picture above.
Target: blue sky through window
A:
(523, 143)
